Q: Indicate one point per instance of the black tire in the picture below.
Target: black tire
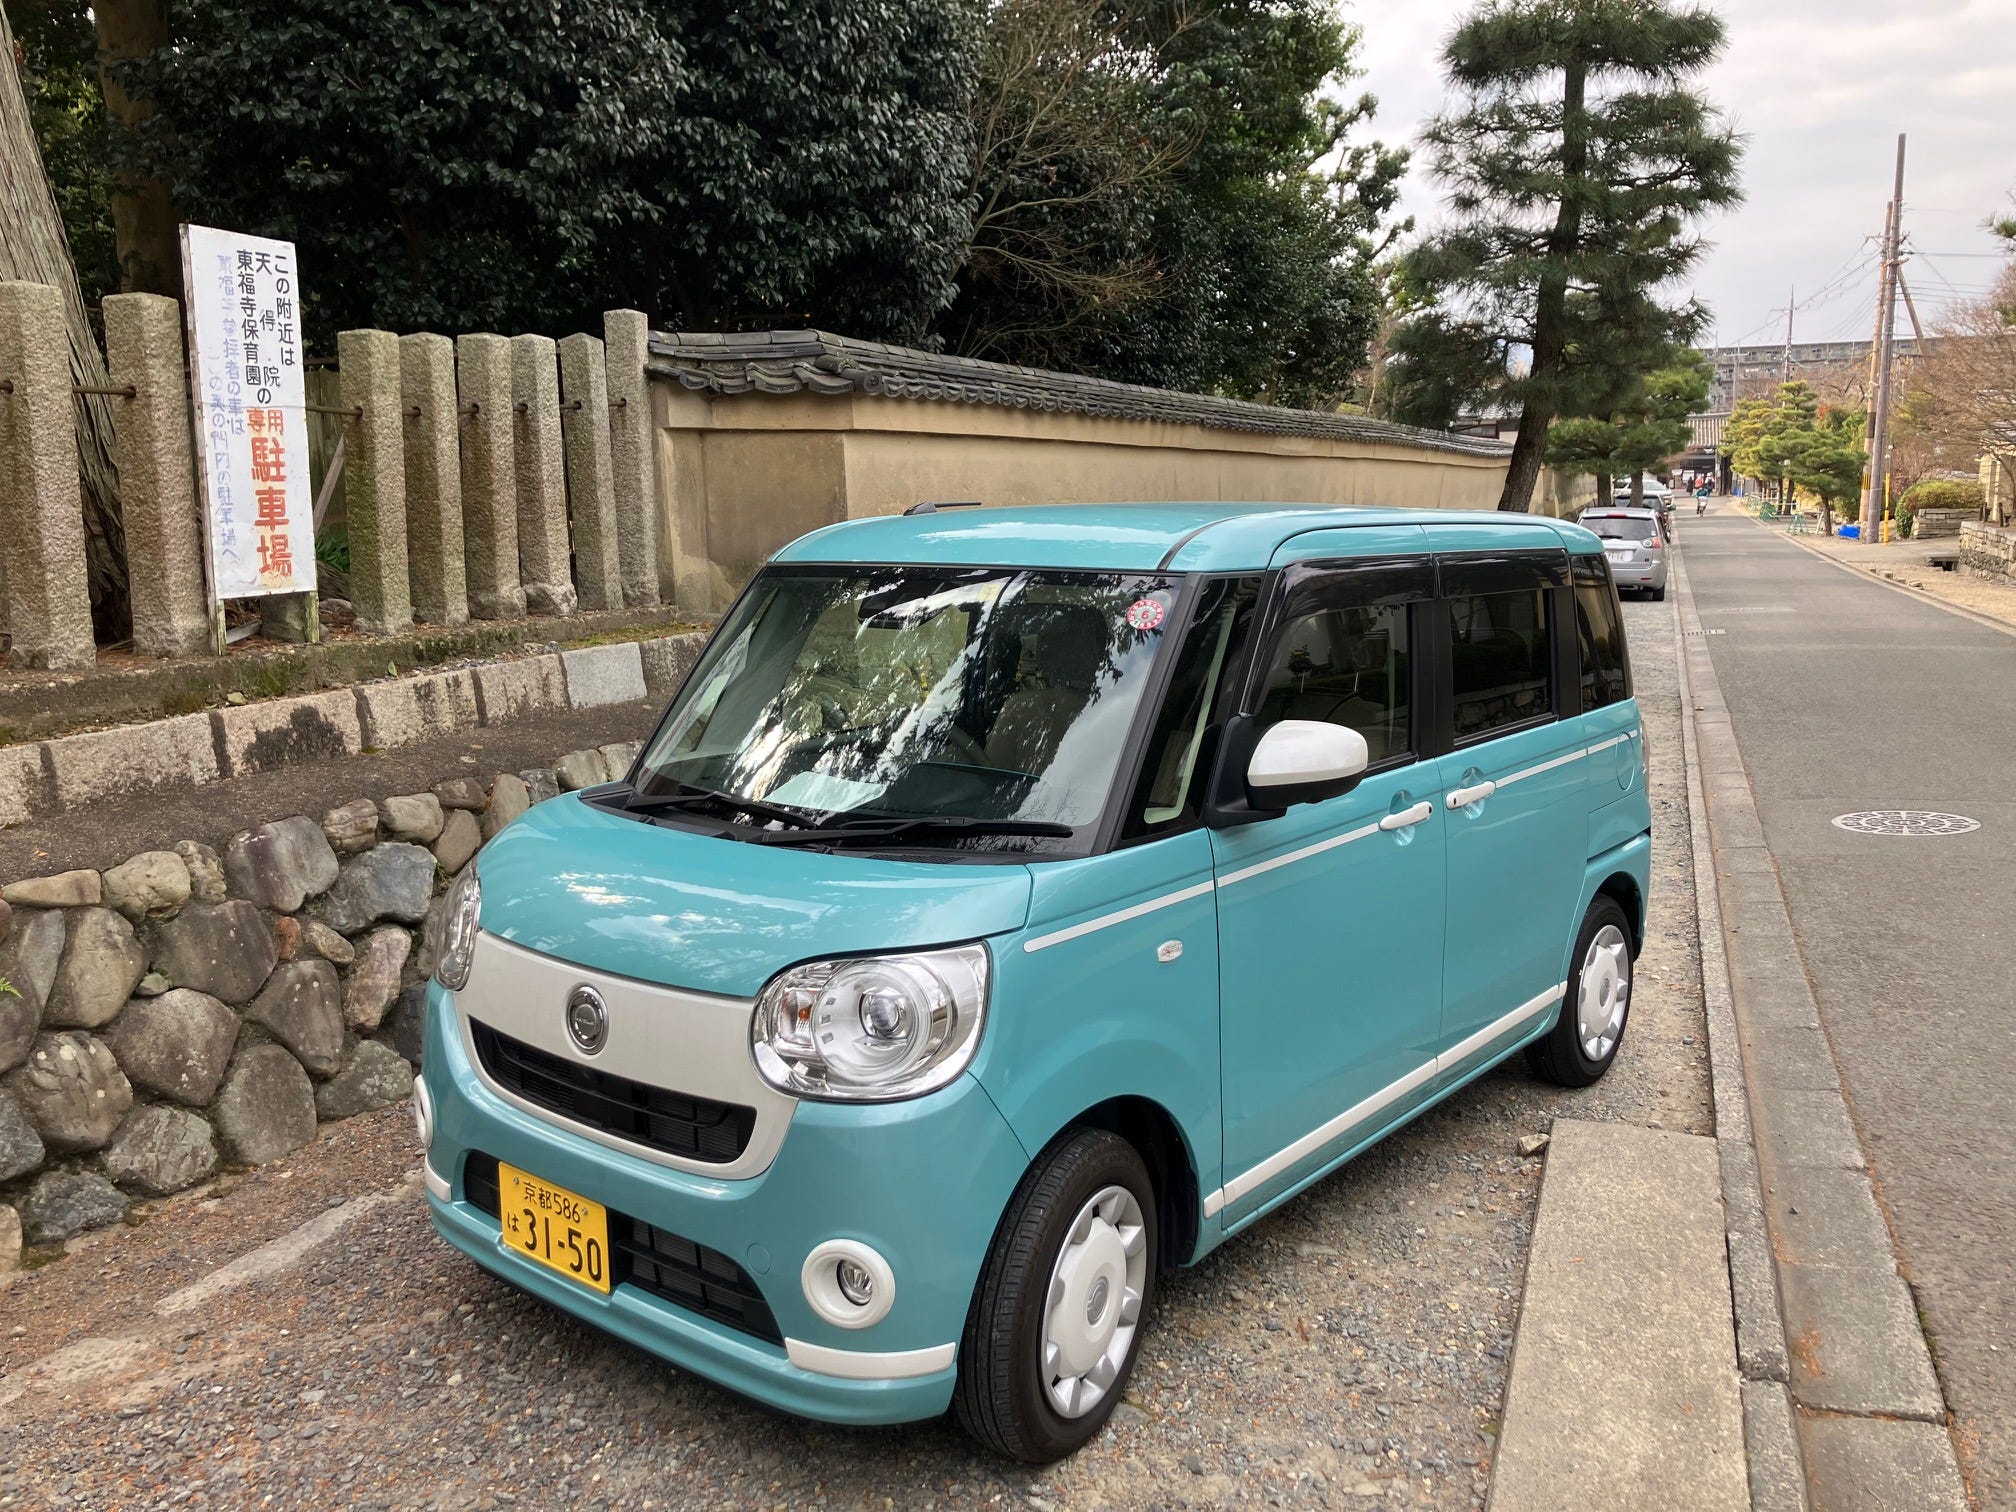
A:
(1559, 1057)
(1658, 595)
(1001, 1398)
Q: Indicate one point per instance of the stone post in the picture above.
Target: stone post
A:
(584, 423)
(626, 336)
(41, 506)
(374, 482)
(489, 478)
(433, 480)
(543, 565)
(157, 476)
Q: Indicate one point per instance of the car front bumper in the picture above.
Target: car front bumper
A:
(923, 1183)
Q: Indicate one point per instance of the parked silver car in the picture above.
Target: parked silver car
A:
(1635, 540)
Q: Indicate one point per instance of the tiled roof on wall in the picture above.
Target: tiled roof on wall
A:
(789, 362)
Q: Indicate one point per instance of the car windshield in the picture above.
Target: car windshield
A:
(1622, 527)
(965, 698)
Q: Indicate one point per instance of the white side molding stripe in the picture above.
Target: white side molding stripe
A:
(1377, 1103)
(1246, 873)
(1107, 921)
(437, 1185)
(859, 1365)
(1545, 766)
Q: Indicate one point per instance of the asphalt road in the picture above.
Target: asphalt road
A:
(1847, 696)
(297, 1336)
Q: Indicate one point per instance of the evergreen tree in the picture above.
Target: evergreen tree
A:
(1642, 425)
(1576, 163)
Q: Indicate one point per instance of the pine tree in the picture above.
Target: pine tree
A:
(1643, 423)
(1576, 163)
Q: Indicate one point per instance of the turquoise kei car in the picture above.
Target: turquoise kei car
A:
(1015, 904)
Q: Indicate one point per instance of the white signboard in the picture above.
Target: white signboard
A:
(244, 312)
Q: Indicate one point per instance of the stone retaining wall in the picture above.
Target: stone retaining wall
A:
(1928, 523)
(1988, 551)
(188, 1010)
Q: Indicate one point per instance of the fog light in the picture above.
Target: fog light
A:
(848, 1284)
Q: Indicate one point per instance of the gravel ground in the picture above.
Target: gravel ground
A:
(1353, 1346)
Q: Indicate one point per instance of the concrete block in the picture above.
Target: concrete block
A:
(1796, 1127)
(157, 475)
(1761, 1351)
(1828, 1217)
(24, 786)
(41, 508)
(374, 482)
(1858, 1464)
(1612, 1386)
(667, 660)
(1771, 1434)
(601, 675)
(489, 477)
(260, 737)
(433, 463)
(1856, 1345)
(544, 568)
(626, 339)
(510, 689)
(407, 709)
(591, 491)
(176, 752)
(1782, 1054)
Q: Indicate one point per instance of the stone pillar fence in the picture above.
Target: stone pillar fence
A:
(480, 477)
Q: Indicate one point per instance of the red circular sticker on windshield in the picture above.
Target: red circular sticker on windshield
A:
(1145, 614)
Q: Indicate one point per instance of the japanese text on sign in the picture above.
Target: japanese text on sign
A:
(251, 430)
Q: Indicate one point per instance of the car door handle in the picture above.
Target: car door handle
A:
(1463, 797)
(1408, 818)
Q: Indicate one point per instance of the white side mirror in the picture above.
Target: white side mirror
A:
(1305, 761)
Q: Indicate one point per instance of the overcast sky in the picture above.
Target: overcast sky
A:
(1820, 88)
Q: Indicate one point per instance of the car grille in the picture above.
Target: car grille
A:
(696, 1128)
(657, 1261)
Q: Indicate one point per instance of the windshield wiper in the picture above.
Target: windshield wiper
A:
(897, 827)
(690, 796)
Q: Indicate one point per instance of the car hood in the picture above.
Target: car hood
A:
(688, 910)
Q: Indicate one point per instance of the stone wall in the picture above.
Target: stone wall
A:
(1928, 524)
(189, 1010)
(1988, 551)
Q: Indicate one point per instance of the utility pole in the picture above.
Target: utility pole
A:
(1791, 309)
(1876, 495)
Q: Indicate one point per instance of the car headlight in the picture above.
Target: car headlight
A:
(458, 931)
(872, 1028)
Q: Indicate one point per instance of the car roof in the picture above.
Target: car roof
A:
(1175, 537)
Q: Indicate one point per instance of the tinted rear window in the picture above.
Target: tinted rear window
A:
(1621, 527)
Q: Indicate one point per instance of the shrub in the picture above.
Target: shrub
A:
(1906, 517)
(1943, 493)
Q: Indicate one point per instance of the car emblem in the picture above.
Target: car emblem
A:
(587, 1019)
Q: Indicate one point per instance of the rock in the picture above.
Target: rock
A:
(543, 783)
(352, 828)
(416, 817)
(462, 793)
(375, 1077)
(280, 865)
(509, 797)
(581, 769)
(236, 699)
(303, 1008)
(267, 1106)
(176, 1046)
(29, 960)
(100, 970)
(224, 949)
(72, 1090)
(286, 938)
(20, 1017)
(617, 758)
(10, 1241)
(323, 941)
(1532, 1144)
(73, 889)
(20, 1146)
(206, 872)
(160, 1150)
(402, 1028)
(461, 838)
(6, 917)
(374, 980)
(63, 1204)
(151, 985)
(153, 882)
(388, 882)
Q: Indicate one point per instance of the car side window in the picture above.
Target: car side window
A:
(1336, 662)
(1202, 694)
(1599, 626)
(1499, 661)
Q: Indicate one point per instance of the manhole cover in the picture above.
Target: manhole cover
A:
(1906, 822)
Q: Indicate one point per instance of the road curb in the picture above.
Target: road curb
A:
(1839, 1387)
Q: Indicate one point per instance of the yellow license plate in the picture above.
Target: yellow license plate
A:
(550, 1224)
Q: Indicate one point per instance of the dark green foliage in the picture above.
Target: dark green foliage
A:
(1575, 164)
(59, 69)
(1944, 493)
(1644, 421)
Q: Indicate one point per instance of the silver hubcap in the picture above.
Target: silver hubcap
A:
(1605, 990)
(1094, 1303)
